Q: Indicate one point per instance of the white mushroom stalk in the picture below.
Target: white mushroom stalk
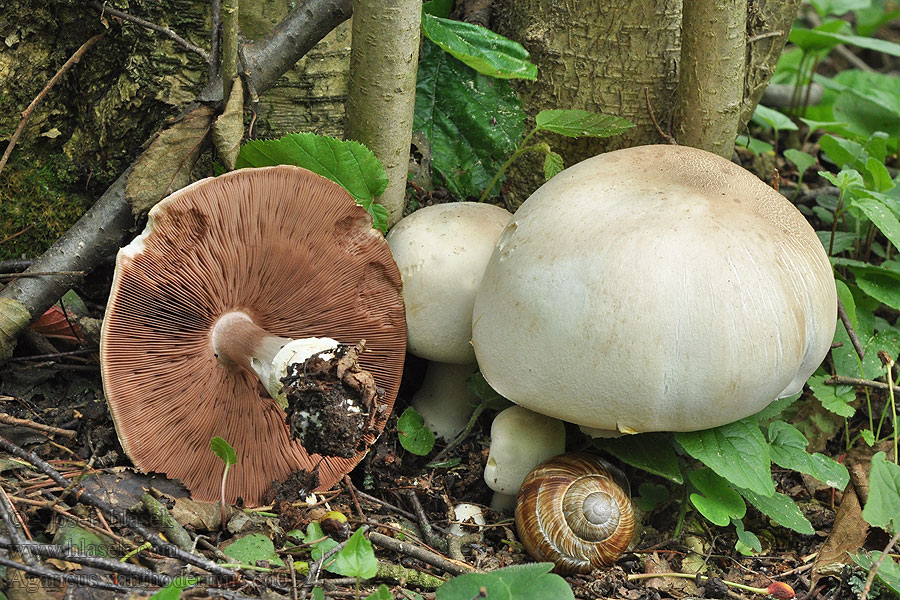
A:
(444, 399)
(237, 340)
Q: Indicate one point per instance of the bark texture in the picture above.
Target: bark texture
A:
(595, 55)
(383, 63)
(711, 74)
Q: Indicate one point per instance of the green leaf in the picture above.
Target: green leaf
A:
(253, 548)
(479, 386)
(473, 122)
(773, 118)
(848, 301)
(754, 145)
(650, 495)
(71, 534)
(652, 452)
(320, 544)
(223, 450)
(519, 582)
(480, 48)
(775, 408)
(746, 538)
(834, 398)
(888, 573)
(787, 447)
(438, 8)
(581, 123)
(318, 594)
(879, 178)
(347, 163)
(826, 39)
(781, 509)
(356, 559)
(173, 589)
(868, 436)
(883, 506)
(382, 593)
(553, 164)
(843, 153)
(737, 451)
(881, 216)
(716, 500)
(802, 160)
(414, 436)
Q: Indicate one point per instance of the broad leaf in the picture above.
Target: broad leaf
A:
(781, 509)
(414, 436)
(787, 447)
(809, 38)
(382, 593)
(581, 123)
(650, 495)
(716, 500)
(651, 452)
(356, 559)
(883, 505)
(746, 538)
(834, 398)
(173, 589)
(519, 582)
(253, 548)
(479, 386)
(773, 118)
(553, 165)
(319, 542)
(881, 216)
(480, 48)
(737, 451)
(802, 160)
(347, 163)
(888, 573)
(473, 122)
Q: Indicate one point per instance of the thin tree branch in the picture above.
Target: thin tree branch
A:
(26, 114)
(854, 339)
(856, 381)
(157, 28)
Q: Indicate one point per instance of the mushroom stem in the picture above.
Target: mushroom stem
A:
(238, 341)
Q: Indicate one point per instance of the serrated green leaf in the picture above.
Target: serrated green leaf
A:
(223, 450)
(781, 509)
(802, 160)
(581, 123)
(737, 451)
(345, 162)
(716, 500)
(253, 548)
(888, 573)
(553, 165)
(868, 436)
(173, 589)
(473, 122)
(881, 216)
(775, 408)
(518, 582)
(883, 505)
(787, 447)
(652, 452)
(356, 559)
(834, 398)
(480, 48)
(414, 436)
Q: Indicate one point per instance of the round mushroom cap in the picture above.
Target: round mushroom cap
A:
(290, 249)
(441, 251)
(656, 288)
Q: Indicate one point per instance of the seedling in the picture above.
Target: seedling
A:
(224, 451)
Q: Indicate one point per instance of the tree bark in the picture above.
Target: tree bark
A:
(383, 63)
(711, 74)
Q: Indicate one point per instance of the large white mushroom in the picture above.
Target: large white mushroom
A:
(441, 251)
(657, 288)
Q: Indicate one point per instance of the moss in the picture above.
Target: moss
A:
(36, 199)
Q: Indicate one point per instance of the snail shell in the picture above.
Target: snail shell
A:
(575, 510)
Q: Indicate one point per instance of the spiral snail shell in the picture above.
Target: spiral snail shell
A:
(575, 511)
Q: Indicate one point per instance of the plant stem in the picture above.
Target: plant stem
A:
(222, 499)
(890, 379)
(739, 586)
(681, 513)
(522, 149)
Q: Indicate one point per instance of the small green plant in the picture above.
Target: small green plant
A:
(357, 559)
(414, 436)
(224, 451)
(519, 582)
(173, 589)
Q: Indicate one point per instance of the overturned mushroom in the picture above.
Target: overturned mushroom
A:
(220, 293)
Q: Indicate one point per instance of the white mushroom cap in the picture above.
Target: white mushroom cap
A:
(441, 252)
(520, 440)
(468, 517)
(657, 288)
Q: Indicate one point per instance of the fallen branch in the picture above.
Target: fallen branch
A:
(154, 27)
(8, 420)
(856, 381)
(426, 556)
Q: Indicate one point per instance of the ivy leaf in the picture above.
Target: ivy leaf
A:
(253, 548)
(737, 451)
(347, 163)
(788, 449)
(414, 436)
(356, 559)
(781, 509)
(716, 500)
(223, 450)
(651, 452)
(480, 48)
(883, 506)
(473, 122)
(581, 123)
(553, 164)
